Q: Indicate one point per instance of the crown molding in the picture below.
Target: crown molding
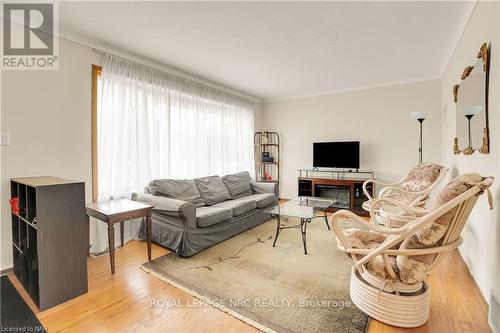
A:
(102, 48)
(353, 89)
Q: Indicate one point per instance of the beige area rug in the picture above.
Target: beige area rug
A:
(274, 289)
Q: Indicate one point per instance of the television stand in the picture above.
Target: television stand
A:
(345, 188)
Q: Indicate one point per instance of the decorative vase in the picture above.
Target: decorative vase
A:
(264, 139)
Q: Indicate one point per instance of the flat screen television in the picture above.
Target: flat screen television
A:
(336, 154)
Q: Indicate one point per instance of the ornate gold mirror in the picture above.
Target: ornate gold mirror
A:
(471, 98)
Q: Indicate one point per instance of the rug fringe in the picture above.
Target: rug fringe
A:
(209, 301)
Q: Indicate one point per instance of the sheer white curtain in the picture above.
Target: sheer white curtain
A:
(209, 136)
(152, 124)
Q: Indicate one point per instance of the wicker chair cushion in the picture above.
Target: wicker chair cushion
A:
(376, 266)
(363, 239)
(414, 269)
(404, 198)
(421, 177)
(432, 234)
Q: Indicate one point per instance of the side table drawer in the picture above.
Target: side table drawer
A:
(130, 215)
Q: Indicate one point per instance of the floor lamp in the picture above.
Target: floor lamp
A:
(420, 116)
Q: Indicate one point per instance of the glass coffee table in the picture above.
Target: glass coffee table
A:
(304, 208)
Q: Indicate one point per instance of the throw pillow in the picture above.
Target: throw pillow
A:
(212, 190)
(238, 184)
(180, 189)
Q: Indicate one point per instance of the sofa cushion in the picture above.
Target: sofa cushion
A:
(212, 189)
(262, 199)
(262, 187)
(180, 189)
(238, 206)
(238, 184)
(207, 216)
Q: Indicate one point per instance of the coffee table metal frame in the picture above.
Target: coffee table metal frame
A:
(303, 220)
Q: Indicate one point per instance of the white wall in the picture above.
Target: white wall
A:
(258, 116)
(378, 117)
(48, 114)
(481, 248)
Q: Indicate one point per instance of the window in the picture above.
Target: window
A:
(96, 85)
(147, 124)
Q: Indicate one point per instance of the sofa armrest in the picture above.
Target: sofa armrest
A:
(183, 209)
(262, 187)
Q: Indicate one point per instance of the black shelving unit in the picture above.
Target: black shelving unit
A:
(49, 239)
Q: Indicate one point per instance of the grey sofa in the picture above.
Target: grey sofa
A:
(191, 215)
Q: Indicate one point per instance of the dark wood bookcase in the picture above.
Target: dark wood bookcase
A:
(49, 239)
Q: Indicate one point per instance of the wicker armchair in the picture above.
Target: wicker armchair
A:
(413, 190)
(392, 264)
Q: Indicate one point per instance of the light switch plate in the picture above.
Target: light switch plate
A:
(5, 139)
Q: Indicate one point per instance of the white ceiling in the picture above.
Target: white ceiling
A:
(279, 50)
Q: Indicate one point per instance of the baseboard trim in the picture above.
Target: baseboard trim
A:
(96, 255)
(6, 271)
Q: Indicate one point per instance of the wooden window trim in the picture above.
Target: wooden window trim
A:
(96, 72)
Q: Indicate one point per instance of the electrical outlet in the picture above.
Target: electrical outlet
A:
(4, 139)
(494, 315)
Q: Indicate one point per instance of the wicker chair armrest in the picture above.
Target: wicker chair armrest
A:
(408, 252)
(365, 185)
(381, 202)
(394, 239)
(366, 224)
(397, 235)
(402, 190)
(346, 214)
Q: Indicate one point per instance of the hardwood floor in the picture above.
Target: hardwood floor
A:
(123, 302)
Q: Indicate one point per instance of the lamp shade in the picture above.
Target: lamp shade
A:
(418, 115)
(472, 111)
